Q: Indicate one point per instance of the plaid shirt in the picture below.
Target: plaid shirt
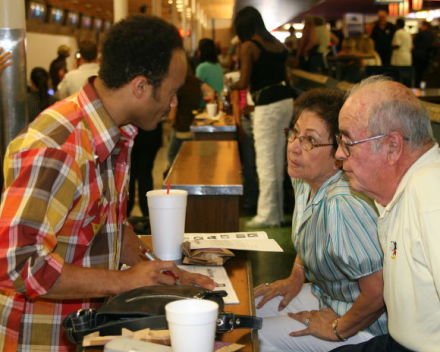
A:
(64, 202)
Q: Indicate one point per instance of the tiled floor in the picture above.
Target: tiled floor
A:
(265, 266)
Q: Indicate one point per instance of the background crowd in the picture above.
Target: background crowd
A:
(354, 228)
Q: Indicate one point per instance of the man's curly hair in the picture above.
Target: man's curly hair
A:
(138, 46)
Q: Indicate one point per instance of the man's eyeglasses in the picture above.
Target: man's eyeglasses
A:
(307, 143)
(345, 146)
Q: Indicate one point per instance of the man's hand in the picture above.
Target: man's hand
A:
(187, 278)
(78, 282)
(319, 323)
(149, 273)
(154, 273)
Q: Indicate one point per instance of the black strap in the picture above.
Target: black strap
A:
(84, 322)
(257, 43)
(228, 321)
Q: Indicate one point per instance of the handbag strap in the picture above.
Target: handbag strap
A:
(84, 322)
(229, 321)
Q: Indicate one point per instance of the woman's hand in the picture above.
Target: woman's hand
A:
(319, 323)
(287, 288)
(5, 59)
(247, 109)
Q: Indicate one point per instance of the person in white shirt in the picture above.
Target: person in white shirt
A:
(402, 45)
(74, 80)
(388, 152)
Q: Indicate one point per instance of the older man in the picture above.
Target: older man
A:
(388, 153)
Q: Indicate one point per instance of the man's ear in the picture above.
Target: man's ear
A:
(395, 146)
(140, 86)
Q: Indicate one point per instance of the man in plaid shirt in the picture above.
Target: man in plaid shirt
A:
(63, 232)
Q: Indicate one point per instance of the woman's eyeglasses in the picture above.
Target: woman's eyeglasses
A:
(307, 143)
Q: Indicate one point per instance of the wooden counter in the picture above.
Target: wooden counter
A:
(240, 274)
(211, 173)
(221, 129)
(431, 95)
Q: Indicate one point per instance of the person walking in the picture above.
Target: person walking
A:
(73, 80)
(263, 70)
(402, 45)
(423, 42)
(382, 34)
(38, 93)
(58, 67)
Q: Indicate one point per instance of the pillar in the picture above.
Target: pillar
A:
(156, 8)
(13, 92)
(120, 10)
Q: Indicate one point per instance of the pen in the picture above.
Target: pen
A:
(149, 255)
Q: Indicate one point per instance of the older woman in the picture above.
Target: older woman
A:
(334, 233)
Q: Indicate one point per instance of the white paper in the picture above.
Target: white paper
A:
(246, 241)
(220, 276)
(226, 236)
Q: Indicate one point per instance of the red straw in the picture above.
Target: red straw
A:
(168, 188)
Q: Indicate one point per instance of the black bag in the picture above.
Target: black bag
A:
(143, 308)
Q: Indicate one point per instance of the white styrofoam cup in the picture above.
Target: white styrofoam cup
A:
(192, 324)
(167, 221)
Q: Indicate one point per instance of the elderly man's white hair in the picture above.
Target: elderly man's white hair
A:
(394, 107)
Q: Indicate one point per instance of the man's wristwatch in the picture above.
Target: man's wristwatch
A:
(335, 330)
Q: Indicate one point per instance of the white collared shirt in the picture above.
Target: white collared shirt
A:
(409, 232)
(74, 80)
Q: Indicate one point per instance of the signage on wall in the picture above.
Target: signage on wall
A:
(386, 2)
(37, 11)
(56, 15)
(72, 19)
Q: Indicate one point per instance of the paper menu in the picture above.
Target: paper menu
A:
(220, 276)
(225, 235)
(247, 241)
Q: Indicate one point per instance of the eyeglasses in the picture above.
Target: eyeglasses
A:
(307, 143)
(345, 146)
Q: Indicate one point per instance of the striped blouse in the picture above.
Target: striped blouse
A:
(335, 234)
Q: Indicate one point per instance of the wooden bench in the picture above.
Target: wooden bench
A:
(211, 173)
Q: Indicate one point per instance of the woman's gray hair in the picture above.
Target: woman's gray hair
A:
(399, 110)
